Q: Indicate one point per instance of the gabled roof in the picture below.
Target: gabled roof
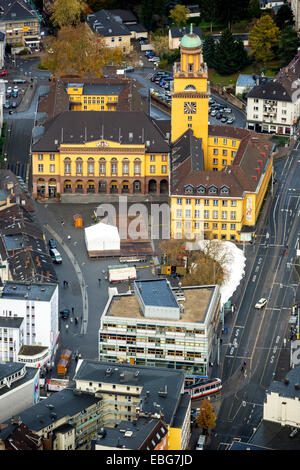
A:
(15, 10)
(127, 128)
(271, 90)
(104, 23)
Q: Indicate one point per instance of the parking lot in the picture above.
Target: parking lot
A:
(15, 89)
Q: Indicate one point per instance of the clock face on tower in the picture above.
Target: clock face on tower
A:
(189, 108)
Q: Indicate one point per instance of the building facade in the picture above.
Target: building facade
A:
(19, 388)
(93, 97)
(151, 327)
(29, 317)
(21, 23)
(101, 153)
(219, 174)
(112, 32)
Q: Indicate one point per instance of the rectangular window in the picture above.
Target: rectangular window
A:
(178, 224)
(224, 162)
(206, 202)
(206, 214)
(215, 214)
(102, 168)
(216, 140)
(152, 168)
(233, 215)
(233, 203)
(224, 153)
(188, 202)
(40, 168)
(164, 169)
(215, 161)
(233, 143)
(40, 156)
(179, 201)
(52, 156)
(52, 168)
(216, 152)
(197, 214)
(224, 203)
(224, 214)
(232, 226)
(224, 227)
(215, 202)
(152, 158)
(188, 213)
(215, 226)
(178, 213)
(197, 225)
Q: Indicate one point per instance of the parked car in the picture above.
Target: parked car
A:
(56, 256)
(213, 113)
(261, 303)
(52, 243)
(230, 121)
(201, 442)
(6, 105)
(20, 80)
(65, 313)
(15, 94)
(14, 104)
(218, 116)
(8, 95)
(227, 110)
(9, 89)
(3, 73)
(129, 69)
(224, 119)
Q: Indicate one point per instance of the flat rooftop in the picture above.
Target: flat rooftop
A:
(196, 302)
(29, 291)
(156, 292)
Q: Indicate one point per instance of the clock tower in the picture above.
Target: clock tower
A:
(190, 92)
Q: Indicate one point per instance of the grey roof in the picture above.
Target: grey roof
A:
(156, 292)
(180, 31)
(33, 291)
(16, 10)
(125, 15)
(137, 433)
(152, 380)
(271, 90)
(187, 145)
(95, 89)
(11, 322)
(246, 80)
(9, 368)
(65, 403)
(105, 24)
(86, 126)
(287, 387)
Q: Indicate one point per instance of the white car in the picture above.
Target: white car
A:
(261, 303)
(201, 442)
(9, 89)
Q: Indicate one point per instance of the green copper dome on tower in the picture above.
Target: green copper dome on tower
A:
(191, 40)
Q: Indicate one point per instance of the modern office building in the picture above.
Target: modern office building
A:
(154, 326)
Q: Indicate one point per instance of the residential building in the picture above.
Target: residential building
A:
(281, 405)
(274, 107)
(269, 4)
(295, 7)
(142, 434)
(113, 32)
(128, 19)
(149, 326)
(22, 23)
(176, 33)
(2, 48)
(194, 11)
(17, 436)
(100, 152)
(29, 316)
(19, 388)
(219, 174)
(245, 82)
(103, 398)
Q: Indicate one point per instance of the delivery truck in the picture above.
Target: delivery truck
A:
(64, 361)
(122, 273)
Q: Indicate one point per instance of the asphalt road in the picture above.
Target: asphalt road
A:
(257, 336)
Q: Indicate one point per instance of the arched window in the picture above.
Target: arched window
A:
(137, 166)
(102, 166)
(67, 164)
(190, 88)
(114, 166)
(125, 166)
(79, 166)
(91, 166)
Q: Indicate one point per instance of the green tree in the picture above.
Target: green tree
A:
(208, 50)
(230, 13)
(179, 15)
(206, 418)
(230, 54)
(263, 39)
(288, 45)
(254, 10)
(67, 12)
(152, 13)
(284, 17)
(210, 11)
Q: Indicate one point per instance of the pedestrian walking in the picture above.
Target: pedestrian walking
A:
(69, 237)
(67, 326)
(242, 368)
(76, 320)
(99, 280)
(71, 320)
(72, 310)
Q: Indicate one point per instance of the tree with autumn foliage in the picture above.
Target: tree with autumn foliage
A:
(264, 38)
(206, 417)
(67, 12)
(179, 15)
(78, 51)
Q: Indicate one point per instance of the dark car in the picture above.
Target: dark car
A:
(52, 243)
(15, 94)
(65, 313)
(218, 116)
(14, 104)
(6, 105)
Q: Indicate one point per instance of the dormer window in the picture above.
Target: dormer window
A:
(224, 190)
(189, 188)
(213, 190)
(201, 189)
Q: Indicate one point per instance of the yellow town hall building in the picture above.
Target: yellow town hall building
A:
(216, 176)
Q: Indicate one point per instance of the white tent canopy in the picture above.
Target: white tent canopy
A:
(101, 237)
